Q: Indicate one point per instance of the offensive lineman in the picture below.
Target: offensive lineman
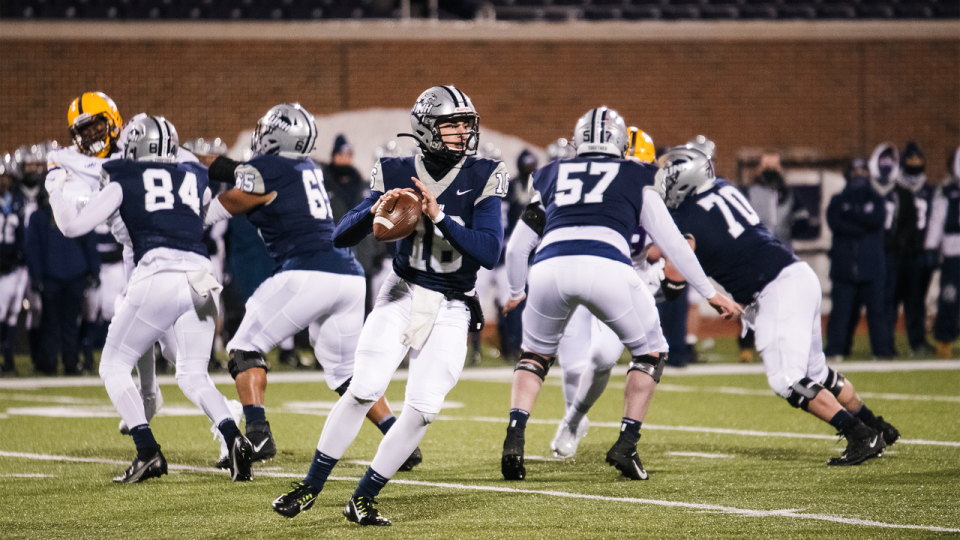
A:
(782, 295)
(593, 203)
(159, 202)
(315, 284)
(423, 307)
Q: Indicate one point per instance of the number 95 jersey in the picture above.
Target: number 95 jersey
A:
(161, 204)
(297, 227)
(733, 246)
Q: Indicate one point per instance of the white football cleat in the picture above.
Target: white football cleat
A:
(565, 442)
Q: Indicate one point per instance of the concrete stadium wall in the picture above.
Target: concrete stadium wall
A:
(774, 85)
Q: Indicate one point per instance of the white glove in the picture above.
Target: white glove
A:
(654, 275)
(55, 180)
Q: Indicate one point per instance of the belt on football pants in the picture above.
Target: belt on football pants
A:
(473, 304)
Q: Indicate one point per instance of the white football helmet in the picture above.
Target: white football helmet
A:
(439, 105)
(685, 170)
(151, 138)
(601, 131)
(287, 129)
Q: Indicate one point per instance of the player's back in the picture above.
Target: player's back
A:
(591, 192)
(297, 227)
(733, 246)
(11, 231)
(161, 205)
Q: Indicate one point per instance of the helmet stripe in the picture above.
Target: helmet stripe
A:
(310, 128)
(456, 100)
(593, 126)
(162, 131)
(463, 97)
(80, 105)
(598, 130)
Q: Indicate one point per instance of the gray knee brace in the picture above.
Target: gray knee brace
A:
(834, 382)
(241, 361)
(803, 393)
(649, 364)
(534, 363)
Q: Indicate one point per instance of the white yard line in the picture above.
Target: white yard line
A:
(699, 454)
(789, 513)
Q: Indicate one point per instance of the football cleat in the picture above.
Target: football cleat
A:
(415, 459)
(624, 457)
(298, 499)
(363, 510)
(224, 462)
(565, 442)
(887, 431)
(511, 464)
(261, 438)
(140, 470)
(241, 457)
(863, 443)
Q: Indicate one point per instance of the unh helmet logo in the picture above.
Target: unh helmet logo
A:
(425, 104)
(279, 121)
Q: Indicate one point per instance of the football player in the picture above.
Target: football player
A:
(29, 164)
(315, 285)
(160, 202)
(425, 306)
(782, 295)
(592, 210)
(13, 274)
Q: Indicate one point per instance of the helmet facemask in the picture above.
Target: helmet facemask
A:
(458, 141)
(93, 135)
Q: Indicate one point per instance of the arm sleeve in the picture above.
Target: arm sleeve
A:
(482, 242)
(222, 169)
(356, 224)
(938, 215)
(521, 244)
(73, 222)
(659, 225)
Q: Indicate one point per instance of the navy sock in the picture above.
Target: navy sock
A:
(320, 470)
(630, 426)
(254, 413)
(843, 420)
(866, 416)
(371, 484)
(387, 423)
(143, 438)
(518, 418)
(228, 428)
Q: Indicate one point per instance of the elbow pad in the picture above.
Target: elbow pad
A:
(672, 289)
(222, 169)
(535, 218)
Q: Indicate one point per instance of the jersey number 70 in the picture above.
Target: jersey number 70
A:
(732, 195)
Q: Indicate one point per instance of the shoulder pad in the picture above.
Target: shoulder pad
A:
(249, 179)
(535, 217)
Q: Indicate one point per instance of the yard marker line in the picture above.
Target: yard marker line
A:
(695, 429)
(53, 399)
(790, 512)
(699, 454)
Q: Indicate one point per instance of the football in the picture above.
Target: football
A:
(397, 217)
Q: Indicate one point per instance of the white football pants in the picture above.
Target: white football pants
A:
(12, 287)
(332, 305)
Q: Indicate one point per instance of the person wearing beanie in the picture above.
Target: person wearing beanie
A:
(915, 266)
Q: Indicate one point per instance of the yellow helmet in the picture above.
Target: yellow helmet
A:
(641, 146)
(84, 111)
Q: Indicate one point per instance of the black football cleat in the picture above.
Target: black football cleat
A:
(863, 443)
(241, 457)
(298, 499)
(363, 510)
(624, 457)
(224, 463)
(887, 431)
(141, 470)
(511, 464)
(261, 438)
(415, 459)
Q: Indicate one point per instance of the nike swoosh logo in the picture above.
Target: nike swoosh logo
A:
(462, 192)
(261, 445)
(873, 442)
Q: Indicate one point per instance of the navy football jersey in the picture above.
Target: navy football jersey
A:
(592, 192)
(733, 246)
(11, 231)
(162, 204)
(426, 257)
(297, 227)
(951, 192)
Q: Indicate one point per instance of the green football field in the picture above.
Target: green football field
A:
(726, 459)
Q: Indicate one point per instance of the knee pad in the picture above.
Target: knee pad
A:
(342, 389)
(651, 365)
(241, 361)
(803, 392)
(834, 382)
(535, 363)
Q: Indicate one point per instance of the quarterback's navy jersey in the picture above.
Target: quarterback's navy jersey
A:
(733, 246)
(162, 204)
(427, 257)
(297, 227)
(11, 231)
(592, 192)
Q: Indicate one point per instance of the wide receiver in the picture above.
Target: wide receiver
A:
(782, 295)
(593, 204)
(425, 306)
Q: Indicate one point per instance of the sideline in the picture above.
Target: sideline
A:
(789, 513)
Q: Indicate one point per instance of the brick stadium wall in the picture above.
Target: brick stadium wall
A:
(840, 96)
